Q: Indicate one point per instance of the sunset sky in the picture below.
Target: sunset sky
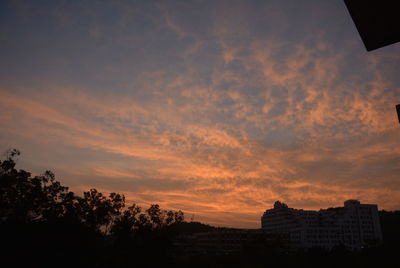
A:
(216, 108)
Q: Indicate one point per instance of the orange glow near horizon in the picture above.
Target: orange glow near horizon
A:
(215, 117)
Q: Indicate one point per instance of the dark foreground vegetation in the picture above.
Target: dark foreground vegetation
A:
(43, 224)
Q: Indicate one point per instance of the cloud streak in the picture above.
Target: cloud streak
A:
(200, 115)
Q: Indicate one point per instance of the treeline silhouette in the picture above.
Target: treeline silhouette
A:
(43, 224)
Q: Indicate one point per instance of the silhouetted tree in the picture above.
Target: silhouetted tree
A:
(44, 222)
(25, 199)
(97, 210)
(126, 222)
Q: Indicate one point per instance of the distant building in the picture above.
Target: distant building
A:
(353, 226)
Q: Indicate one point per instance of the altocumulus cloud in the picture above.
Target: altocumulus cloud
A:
(216, 108)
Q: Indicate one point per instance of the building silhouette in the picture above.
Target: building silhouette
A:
(353, 226)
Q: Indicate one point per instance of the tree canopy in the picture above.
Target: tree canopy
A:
(39, 215)
(25, 198)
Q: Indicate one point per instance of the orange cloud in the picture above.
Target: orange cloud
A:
(271, 119)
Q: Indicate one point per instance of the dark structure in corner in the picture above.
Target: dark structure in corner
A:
(377, 21)
(353, 226)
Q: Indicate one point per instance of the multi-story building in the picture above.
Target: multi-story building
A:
(354, 226)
